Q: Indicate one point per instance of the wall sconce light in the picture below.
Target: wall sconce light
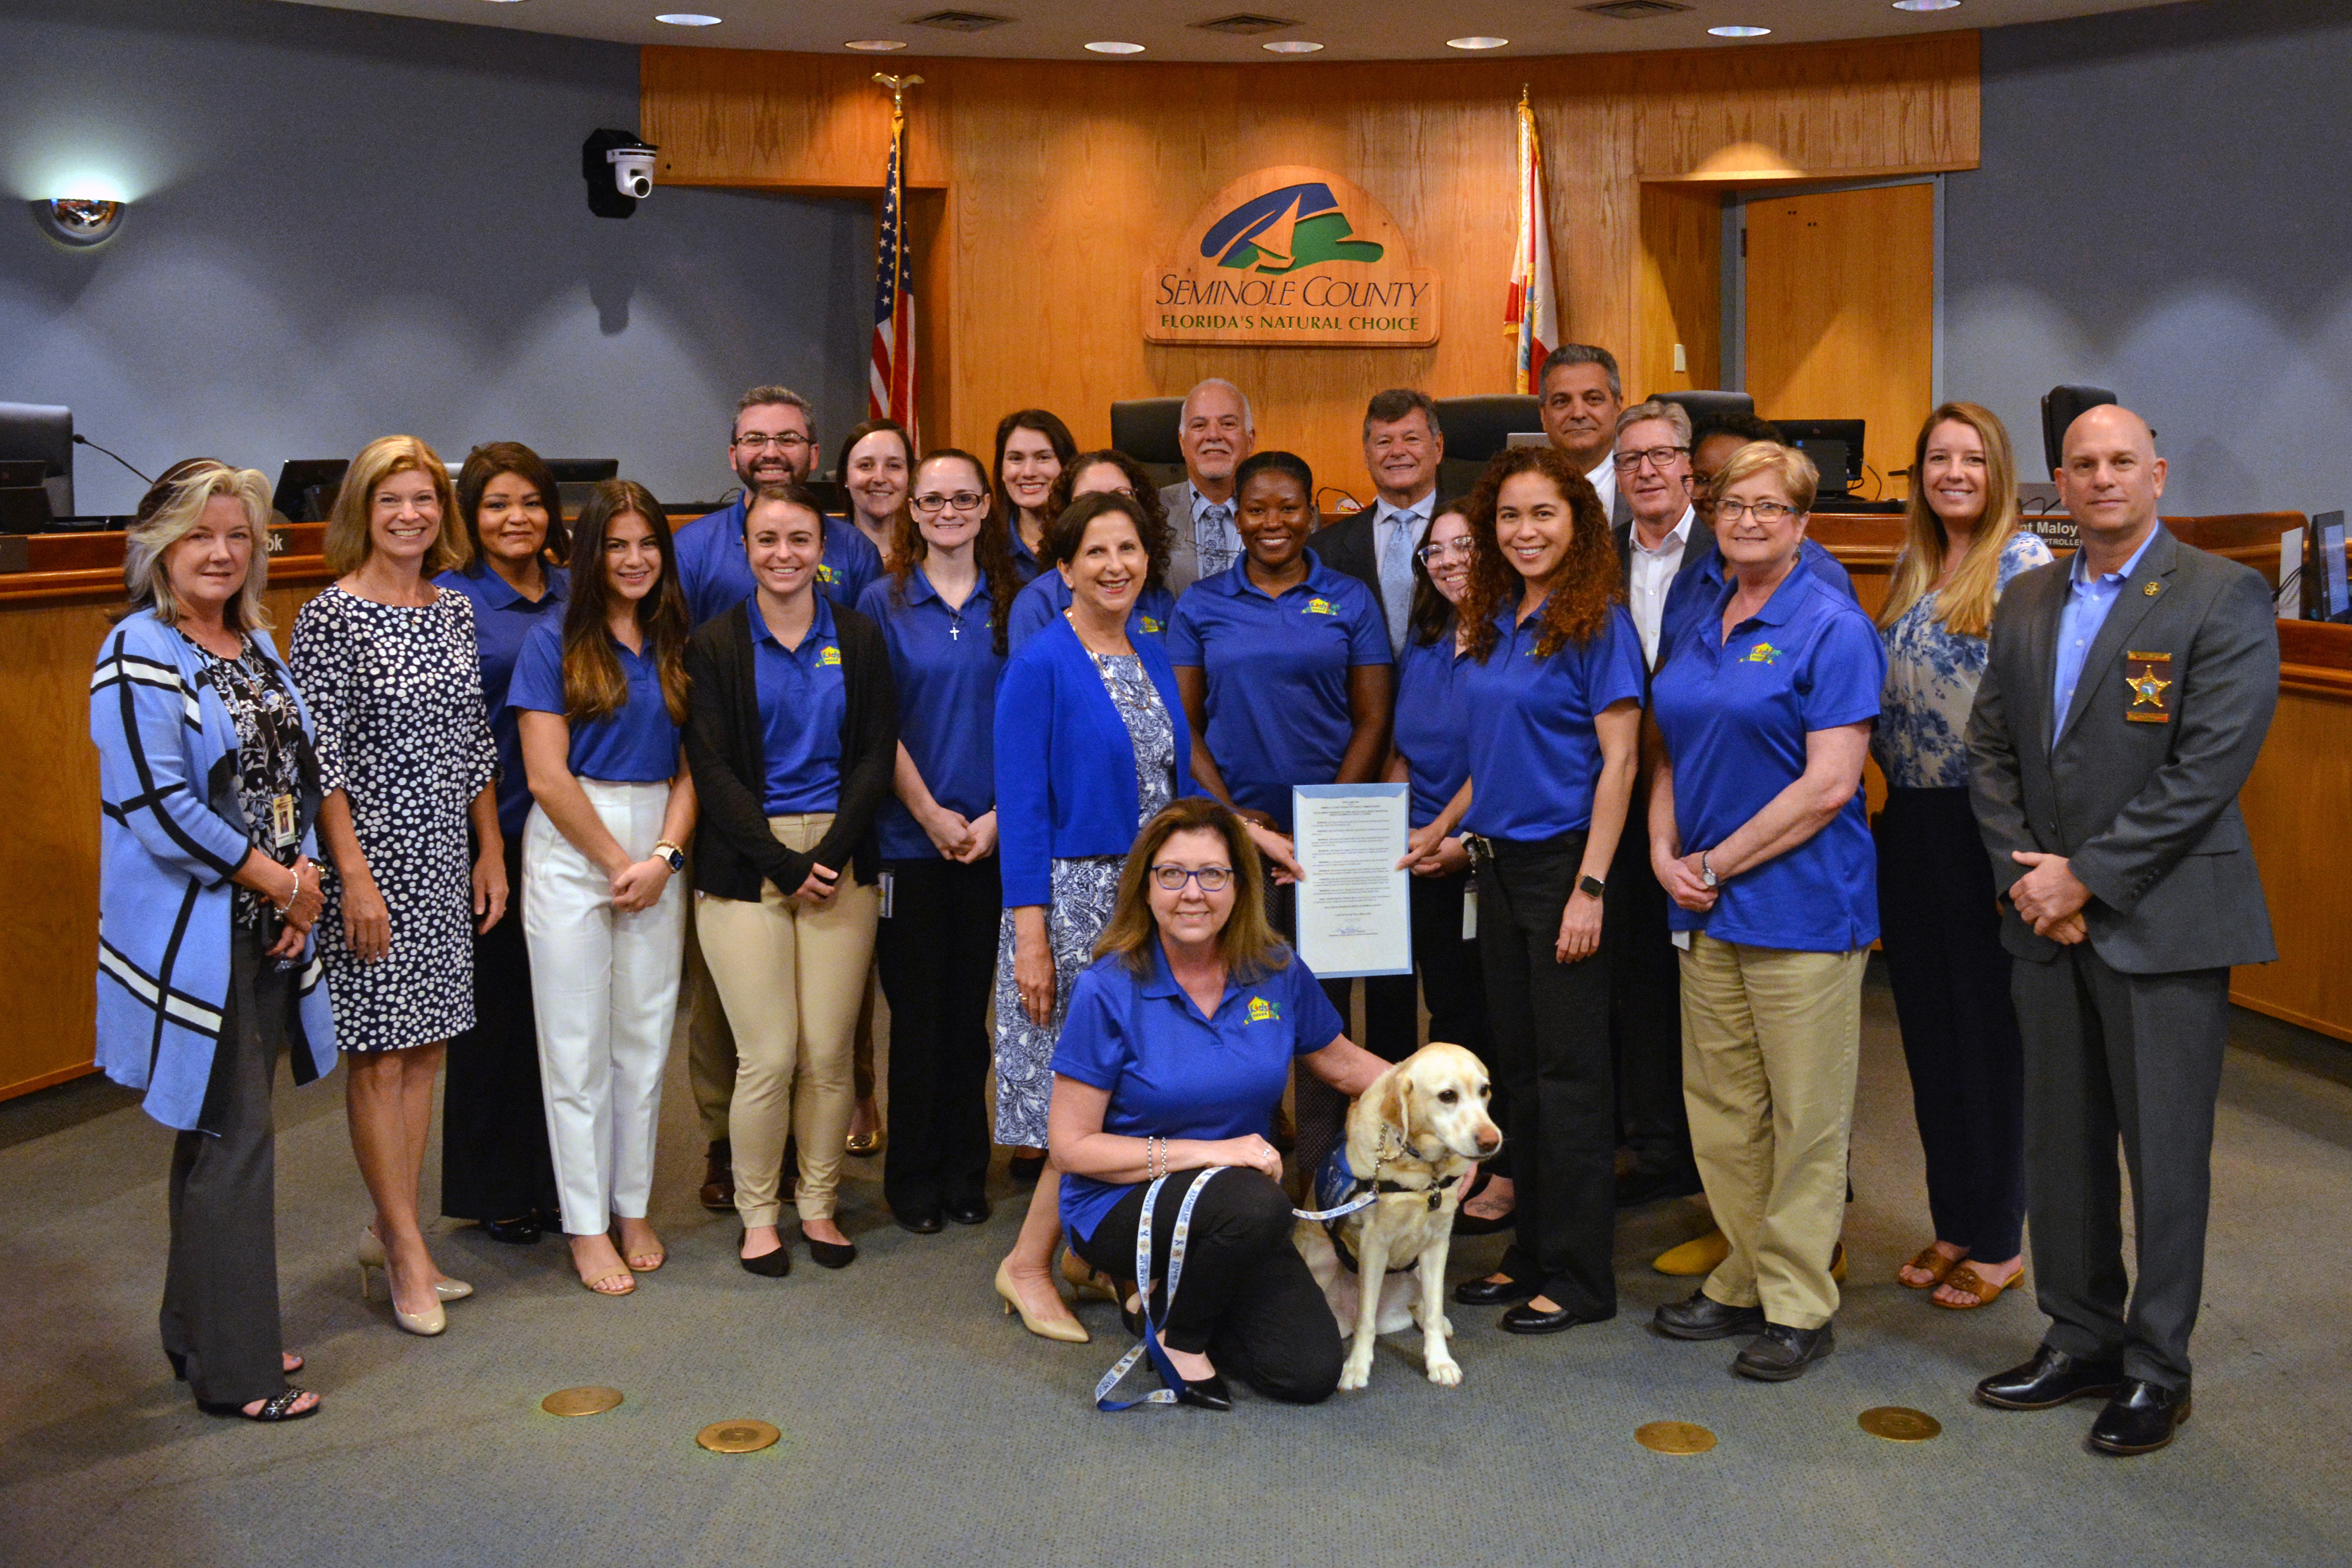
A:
(79, 221)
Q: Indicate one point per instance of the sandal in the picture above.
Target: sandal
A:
(1930, 1261)
(277, 1407)
(1469, 1223)
(1979, 1290)
(287, 1361)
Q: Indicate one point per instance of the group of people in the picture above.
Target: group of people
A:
(1630, 699)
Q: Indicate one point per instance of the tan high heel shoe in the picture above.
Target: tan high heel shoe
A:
(372, 1255)
(1084, 1281)
(1069, 1332)
(429, 1322)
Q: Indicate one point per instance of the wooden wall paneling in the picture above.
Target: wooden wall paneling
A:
(1681, 297)
(2295, 813)
(1841, 314)
(745, 117)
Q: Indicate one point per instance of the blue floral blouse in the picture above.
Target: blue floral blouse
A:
(1931, 683)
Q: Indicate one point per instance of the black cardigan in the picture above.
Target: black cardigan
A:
(734, 849)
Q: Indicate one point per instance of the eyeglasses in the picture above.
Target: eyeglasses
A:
(1764, 511)
(962, 500)
(1212, 878)
(1437, 551)
(1659, 458)
(789, 441)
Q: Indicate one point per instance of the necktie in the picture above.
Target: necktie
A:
(1213, 538)
(1396, 576)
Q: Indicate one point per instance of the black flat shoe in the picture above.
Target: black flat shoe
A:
(1527, 1320)
(522, 1232)
(971, 1211)
(830, 1254)
(768, 1265)
(2051, 1378)
(923, 1222)
(1209, 1394)
(1704, 1318)
(1026, 1168)
(2141, 1418)
(1781, 1352)
(1494, 1292)
(280, 1407)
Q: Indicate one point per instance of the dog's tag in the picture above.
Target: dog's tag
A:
(1470, 911)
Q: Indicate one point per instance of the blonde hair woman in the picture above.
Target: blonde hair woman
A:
(390, 666)
(1936, 916)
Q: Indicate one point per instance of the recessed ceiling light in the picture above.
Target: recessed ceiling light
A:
(1739, 32)
(688, 20)
(1115, 48)
(876, 45)
(1476, 42)
(1926, 4)
(1291, 47)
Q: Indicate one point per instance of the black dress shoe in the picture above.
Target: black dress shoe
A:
(718, 1194)
(1644, 1187)
(830, 1254)
(2140, 1418)
(1209, 1394)
(2051, 1378)
(1025, 1168)
(1704, 1318)
(1527, 1320)
(923, 1222)
(521, 1232)
(970, 1211)
(768, 1265)
(1494, 1292)
(1781, 1352)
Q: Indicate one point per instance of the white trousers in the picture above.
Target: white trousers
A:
(604, 987)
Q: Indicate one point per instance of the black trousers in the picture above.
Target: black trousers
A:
(1645, 1017)
(2135, 1058)
(1246, 1298)
(937, 954)
(494, 1157)
(220, 1285)
(1552, 1052)
(1941, 932)
(1446, 977)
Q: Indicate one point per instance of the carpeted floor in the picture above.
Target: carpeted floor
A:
(922, 1426)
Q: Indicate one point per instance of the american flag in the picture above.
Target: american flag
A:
(891, 393)
(1529, 314)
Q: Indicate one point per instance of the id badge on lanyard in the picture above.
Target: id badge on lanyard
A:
(285, 828)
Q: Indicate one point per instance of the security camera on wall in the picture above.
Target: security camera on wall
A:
(619, 169)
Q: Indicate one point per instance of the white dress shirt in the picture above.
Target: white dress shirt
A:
(1604, 483)
(1652, 573)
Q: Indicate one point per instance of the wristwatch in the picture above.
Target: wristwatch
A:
(1706, 877)
(670, 854)
(1592, 885)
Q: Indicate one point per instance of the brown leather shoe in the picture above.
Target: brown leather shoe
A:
(718, 1178)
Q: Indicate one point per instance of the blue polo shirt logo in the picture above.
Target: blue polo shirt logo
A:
(831, 655)
(1319, 607)
(825, 574)
(1150, 626)
(1762, 653)
(1262, 1011)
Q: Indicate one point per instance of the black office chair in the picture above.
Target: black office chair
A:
(42, 433)
(1475, 428)
(1699, 405)
(2061, 406)
(1145, 429)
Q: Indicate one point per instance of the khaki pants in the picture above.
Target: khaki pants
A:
(792, 976)
(1769, 1042)
(710, 1043)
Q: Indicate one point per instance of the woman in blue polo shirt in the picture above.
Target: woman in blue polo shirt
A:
(1764, 704)
(1178, 1041)
(1032, 447)
(942, 607)
(599, 697)
(792, 733)
(494, 1160)
(1093, 473)
(1555, 678)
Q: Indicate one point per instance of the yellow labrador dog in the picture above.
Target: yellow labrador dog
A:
(1411, 1138)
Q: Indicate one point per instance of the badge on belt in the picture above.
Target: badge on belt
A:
(2149, 678)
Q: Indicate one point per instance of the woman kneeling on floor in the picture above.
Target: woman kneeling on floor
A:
(1178, 1041)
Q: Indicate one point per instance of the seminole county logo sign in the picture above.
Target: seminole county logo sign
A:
(1291, 256)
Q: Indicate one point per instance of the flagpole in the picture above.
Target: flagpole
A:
(896, 399)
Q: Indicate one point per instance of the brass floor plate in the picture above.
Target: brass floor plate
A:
(1674, 1437)
(581, 1401)
(737, 1436)
(1899, 1423)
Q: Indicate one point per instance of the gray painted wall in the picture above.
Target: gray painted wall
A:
(346, 225)
(2162, 210)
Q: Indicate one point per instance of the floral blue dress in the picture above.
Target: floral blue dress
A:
(1932, 671)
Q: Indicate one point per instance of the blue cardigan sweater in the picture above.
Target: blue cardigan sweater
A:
(1065, 764)
(172, 836)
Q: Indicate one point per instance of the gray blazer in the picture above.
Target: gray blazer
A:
(2146, 812)
(1183, 557)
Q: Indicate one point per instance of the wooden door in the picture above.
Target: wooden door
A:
(1841, 315)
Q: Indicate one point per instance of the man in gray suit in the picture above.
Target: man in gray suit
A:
(2124, 700)
(1582, 395)
(1215, 432)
